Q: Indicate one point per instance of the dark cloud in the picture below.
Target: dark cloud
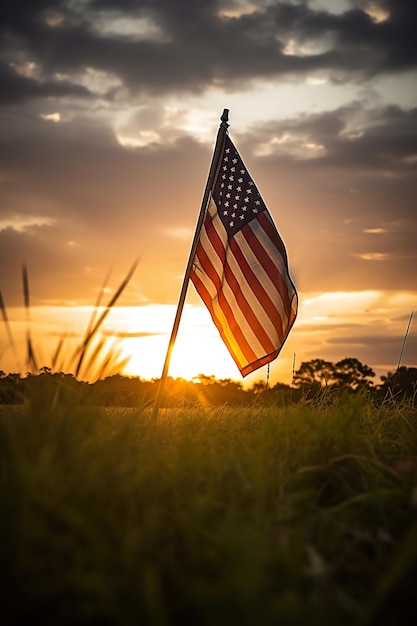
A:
(341, 184)
(16, 89)
(75, 201)
(197, 46)
(354, 136)
(376, 348)
(100, 162)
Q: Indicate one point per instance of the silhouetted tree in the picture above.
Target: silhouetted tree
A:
(401, 384)
(350, 373)
(259, 386)
(317, 373)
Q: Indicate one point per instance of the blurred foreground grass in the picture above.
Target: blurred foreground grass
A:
(300, 515)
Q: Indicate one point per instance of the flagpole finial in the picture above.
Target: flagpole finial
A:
(225, 116)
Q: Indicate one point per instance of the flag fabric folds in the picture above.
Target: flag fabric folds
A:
(240, 269)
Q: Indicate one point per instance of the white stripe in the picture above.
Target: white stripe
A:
(277, 257)
(240, 318)
(222, 320)
(259, 271)
(259, 311)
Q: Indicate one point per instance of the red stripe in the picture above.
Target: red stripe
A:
(215, 239)
(208, 267)
(248, 353)
(235, 329)
(264, 258)
(233, 283)
(247, 310)
(264, 255)
(206, 298)
(210, 271)
(269, 227)
(254, 283)
(251, 367)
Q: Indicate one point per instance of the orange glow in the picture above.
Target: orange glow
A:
(329, 325)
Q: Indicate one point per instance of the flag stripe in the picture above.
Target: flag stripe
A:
(269, 298)
(241, 270)
(235, 348)
(247, 310)
(222, 296)
(260, 282)
(251, 285)
(234, 287)
(268, 257)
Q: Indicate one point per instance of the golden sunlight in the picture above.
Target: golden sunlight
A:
(329, 325)
(198, 348)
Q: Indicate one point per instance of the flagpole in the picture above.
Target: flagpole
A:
(218, 150)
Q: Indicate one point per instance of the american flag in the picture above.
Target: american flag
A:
(240, 268)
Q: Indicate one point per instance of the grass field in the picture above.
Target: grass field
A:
(261, 516)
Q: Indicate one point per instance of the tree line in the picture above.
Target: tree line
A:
(312, 378)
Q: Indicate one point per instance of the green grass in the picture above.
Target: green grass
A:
(300, 515)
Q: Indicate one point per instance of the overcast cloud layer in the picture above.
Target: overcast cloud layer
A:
(106, 135)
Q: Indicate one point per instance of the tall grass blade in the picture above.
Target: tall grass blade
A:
(97, 303)
(113, 362)
(8, 328)
(57, 352)
(25, 281)
(98, 323)
(30, 353)
(90, 363)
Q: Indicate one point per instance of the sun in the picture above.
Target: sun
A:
(198, 350)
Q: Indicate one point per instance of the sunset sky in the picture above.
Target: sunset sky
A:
(109, 111)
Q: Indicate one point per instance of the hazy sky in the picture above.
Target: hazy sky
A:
(108, 115)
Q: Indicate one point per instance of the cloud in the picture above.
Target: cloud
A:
(121, 173)
(169, 47)
(73, 182)
(17, 88)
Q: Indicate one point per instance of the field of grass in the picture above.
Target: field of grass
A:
(258, 516)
